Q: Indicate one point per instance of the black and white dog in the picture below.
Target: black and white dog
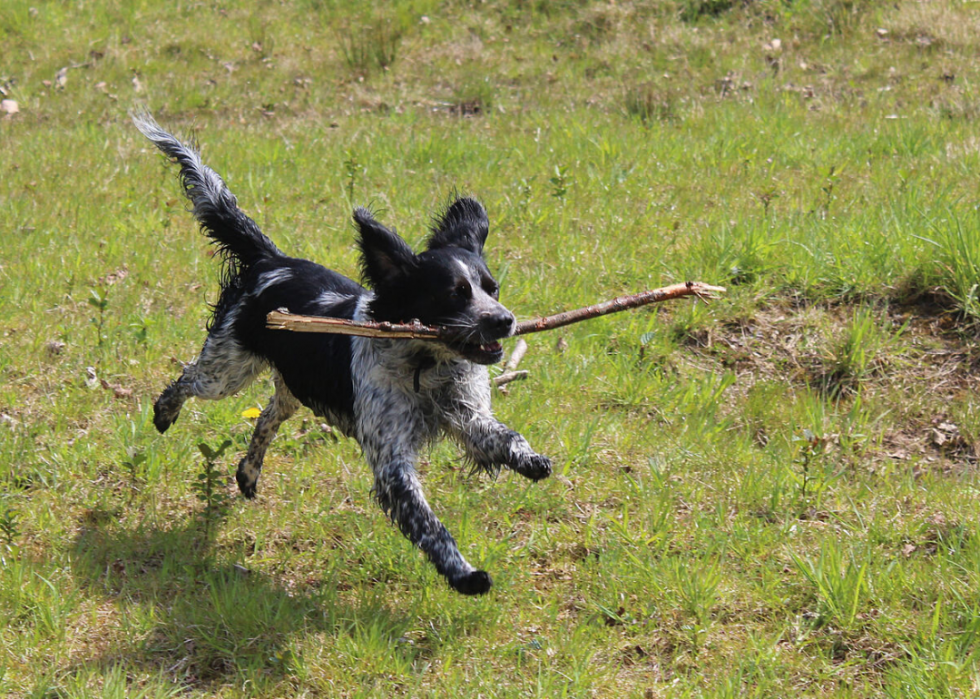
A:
(393, 396)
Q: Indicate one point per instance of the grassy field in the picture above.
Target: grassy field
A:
(774, 495)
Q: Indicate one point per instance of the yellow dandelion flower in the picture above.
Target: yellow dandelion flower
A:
(251, 413)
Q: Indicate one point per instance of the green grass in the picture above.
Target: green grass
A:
(772, 495)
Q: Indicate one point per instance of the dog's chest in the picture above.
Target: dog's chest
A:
(398, 398)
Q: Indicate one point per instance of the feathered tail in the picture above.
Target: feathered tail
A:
(238, 238)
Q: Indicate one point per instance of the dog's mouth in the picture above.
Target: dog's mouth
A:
(486, 353)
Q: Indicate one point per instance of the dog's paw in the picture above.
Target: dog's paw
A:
(478, 582)
(536, 467)
(161, 420)
(246, 485)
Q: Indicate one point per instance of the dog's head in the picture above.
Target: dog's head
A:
(448, 284)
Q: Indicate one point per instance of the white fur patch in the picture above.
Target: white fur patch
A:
(331, 298)
(276, 276)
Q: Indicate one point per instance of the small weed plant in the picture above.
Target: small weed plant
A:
(133, 466)
(352, 169)
(211, 487)
(812, 450)
(561, 182)
(99, 300)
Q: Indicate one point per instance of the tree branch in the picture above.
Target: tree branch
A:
(283, 320)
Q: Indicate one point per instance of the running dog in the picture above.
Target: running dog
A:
(393, 396)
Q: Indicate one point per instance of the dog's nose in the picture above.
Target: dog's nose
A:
(501, 324)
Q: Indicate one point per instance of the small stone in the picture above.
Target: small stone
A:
(9, 107)
(773, 46)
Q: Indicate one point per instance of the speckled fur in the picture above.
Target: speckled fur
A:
(395, 397)
(281, 407)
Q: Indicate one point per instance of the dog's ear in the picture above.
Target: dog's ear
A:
(464, 225)
(384, 255)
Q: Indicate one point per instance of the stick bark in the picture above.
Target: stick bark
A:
(520, 349)
(283, 320)
(507, 377)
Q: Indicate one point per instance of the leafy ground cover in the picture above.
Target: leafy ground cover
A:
(775, 494)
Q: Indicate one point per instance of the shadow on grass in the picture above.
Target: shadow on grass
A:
(201, 620)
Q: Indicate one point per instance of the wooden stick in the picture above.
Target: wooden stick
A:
(283, 320)
(507, 377)
(621, 303)
(520, 349)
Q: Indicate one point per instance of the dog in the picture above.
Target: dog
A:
(393, 396)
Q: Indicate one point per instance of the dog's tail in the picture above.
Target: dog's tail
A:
(237, 236)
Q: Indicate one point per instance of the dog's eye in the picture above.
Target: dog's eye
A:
(491, 287)
(462, 290)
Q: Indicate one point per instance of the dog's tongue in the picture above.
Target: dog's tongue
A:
(490, 347)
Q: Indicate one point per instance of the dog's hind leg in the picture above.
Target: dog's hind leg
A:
(222, 369)
(281, 407)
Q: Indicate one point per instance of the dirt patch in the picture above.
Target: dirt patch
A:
(914, 367)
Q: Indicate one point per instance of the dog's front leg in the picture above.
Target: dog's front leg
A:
(489, 443)
(399, 493)
(391, 428)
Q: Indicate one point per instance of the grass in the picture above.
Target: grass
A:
(775, 494)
